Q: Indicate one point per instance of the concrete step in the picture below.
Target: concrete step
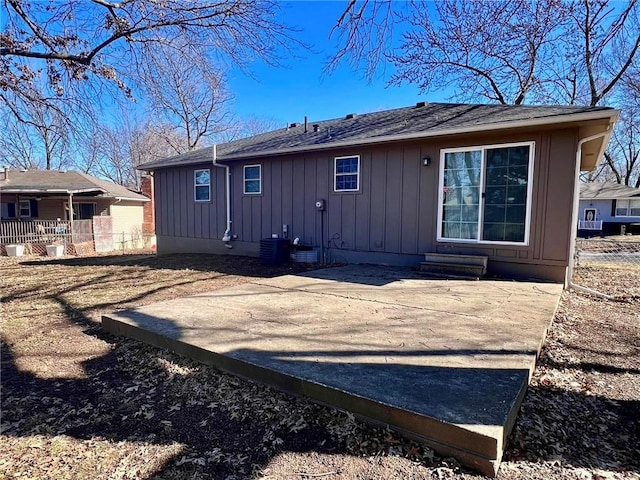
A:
(451, 258)
(452, 270)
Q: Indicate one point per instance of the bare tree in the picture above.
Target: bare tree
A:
(17, 146)
(187, 91)
(622, 159)
(364, 34)
(113, 150)
(504, 51)
(600, 45)
(100, 41)
(36, 136)
(248, 126)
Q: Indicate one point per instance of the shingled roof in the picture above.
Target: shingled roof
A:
(69, 182)
(607, 191)
(420, 121)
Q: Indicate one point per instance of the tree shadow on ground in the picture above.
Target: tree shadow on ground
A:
(231, 428)
(225, 264)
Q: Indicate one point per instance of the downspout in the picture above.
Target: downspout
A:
(226, 238)
(574, 220)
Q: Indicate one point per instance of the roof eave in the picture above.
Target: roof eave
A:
(624, 197)
(48, 190)
(611, 115)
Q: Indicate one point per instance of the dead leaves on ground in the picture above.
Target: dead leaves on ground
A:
(136, 411)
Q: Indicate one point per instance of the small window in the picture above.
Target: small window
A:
(25, 208)
(252, 179)
(202, 185)
(347, 174)
(621, 208)
(634, 208)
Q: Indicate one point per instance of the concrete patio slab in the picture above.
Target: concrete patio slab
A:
(445, 361)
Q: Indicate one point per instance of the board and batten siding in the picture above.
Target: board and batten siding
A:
(178, 214)
(392, 218)
(382, 216)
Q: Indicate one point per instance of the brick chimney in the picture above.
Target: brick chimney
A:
(148, 209)
(6, 173)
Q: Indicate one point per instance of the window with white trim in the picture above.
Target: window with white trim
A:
(347, 174)
(485, 194)
(202, 185)
(628, 208)
(25, 208)
(252, 179)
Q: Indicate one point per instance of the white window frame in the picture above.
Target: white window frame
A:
(195, 185)
(628, 209)
(483, 149)
(245, 180)
(336, 174)
(28, 203)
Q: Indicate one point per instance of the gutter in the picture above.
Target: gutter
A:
(226, 238)
(130, 199)
(576, 209)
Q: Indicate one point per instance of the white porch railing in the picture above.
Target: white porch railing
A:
(35, 231)
(590, 225)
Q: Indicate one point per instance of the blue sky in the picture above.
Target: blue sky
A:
(288, 93)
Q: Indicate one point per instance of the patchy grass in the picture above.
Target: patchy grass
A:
(78, 403)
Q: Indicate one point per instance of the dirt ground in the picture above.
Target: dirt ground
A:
(80, 404)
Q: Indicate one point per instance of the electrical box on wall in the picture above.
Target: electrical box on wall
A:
(320, 205)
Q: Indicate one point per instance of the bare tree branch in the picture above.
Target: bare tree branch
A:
(100, 41)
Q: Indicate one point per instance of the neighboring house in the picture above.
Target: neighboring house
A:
(45, 195)
(608, 208)
(389, 186)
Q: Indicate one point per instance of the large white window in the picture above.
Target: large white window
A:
(252, 179)
(202, 185)
(347, 174)
(628, 208)
(485, 194)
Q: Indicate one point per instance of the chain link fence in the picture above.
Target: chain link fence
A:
(609, 266)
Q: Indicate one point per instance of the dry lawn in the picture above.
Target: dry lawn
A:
(80, 404)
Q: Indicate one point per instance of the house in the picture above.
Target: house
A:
(34, 201)
(388, 187)
(608, 209)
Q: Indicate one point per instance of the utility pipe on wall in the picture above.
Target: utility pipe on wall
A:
(226, 238)
(574, 218)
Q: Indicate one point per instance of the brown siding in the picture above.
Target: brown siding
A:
(178, 214)
(394, 212)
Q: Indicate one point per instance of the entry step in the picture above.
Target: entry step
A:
(454, 266)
